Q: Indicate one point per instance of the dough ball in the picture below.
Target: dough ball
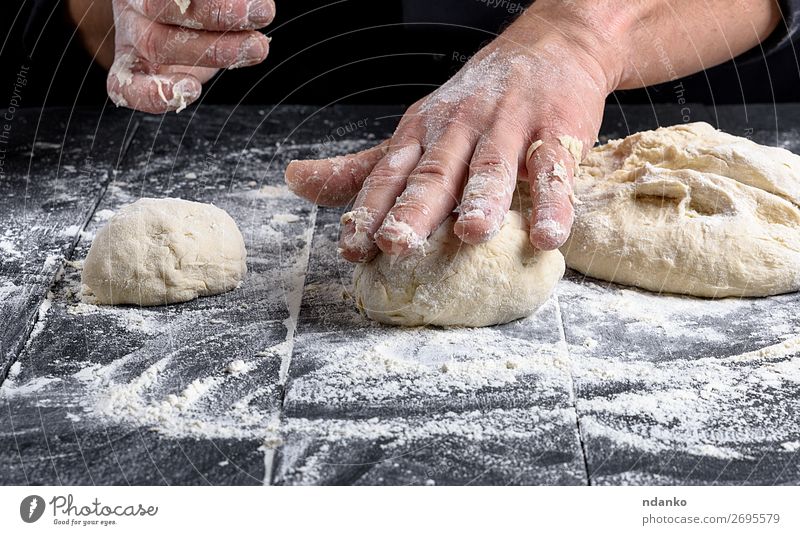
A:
(689, 210)
(455, 284)
(161, 251)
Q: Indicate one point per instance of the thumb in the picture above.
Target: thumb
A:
(134, 83)
(333, 181)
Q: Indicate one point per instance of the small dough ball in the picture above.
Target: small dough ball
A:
(451, 283)
(689, 210)
(161, 251)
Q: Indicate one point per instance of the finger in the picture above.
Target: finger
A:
(551, 174)
(170, 45)
(377, 196)
(431, 193)
(491, 183)
(217, 15)
(153, 93)
(204, 74)
(333, 181)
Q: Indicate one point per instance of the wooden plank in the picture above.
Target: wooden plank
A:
(674, 390)
(54, 171)
(20, 299)
(92, 398)
(55, 166)
(665, 390)
(163, 394)
(367, 404)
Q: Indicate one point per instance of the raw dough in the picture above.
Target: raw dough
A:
(689, 210)
(455, 284)
(160, 251)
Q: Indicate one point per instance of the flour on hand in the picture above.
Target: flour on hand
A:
(183, 5)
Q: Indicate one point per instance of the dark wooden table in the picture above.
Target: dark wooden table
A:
(282, 382)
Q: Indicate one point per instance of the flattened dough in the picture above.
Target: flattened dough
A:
(161, 251)
(689, 210)
(455, 284)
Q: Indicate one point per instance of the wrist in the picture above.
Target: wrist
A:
(595, 32)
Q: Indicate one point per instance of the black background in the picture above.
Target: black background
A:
(353, 51)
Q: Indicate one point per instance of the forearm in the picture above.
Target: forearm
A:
(95, 22)
(641, 43)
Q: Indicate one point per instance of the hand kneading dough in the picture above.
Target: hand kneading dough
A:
(160, 251)
(455, 284)
(689, 210)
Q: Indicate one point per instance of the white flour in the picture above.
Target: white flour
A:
(285, 218)
(71, 230)
(646, 374)
(40, 321)
(7, 290)
(275, 191)
(412, 364)
(103, 215)
(191, 411)
(8, 249)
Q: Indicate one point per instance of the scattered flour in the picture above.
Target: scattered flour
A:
(51, 261)
(275, 191)
(44, 145)
(183, 5)
(11, 390)
(189, 412)
(7, 290)
(8, 249)
(104, 215)
(415, 364)
(14, 370)
(285, 218)
(711, 407)
(238, 366)
(39, 324)
(71, 231)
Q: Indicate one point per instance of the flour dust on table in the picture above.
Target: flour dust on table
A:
(162, 251)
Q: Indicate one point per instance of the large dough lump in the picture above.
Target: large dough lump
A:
(455, 284)
(689, 210)
(160, 251)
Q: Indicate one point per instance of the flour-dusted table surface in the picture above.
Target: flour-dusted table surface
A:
(282, 382)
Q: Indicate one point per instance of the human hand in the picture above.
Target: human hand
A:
(166, 49)
(521, 107)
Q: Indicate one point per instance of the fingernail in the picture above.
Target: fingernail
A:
(475, 226)
(356, 236)
(117, 99)
(400, 237)
(548, 234)
(184, 93)
(260, 12)
(471, 212)
(252, 51)
(294, 175)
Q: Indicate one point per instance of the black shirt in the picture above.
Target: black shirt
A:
(350, 51)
